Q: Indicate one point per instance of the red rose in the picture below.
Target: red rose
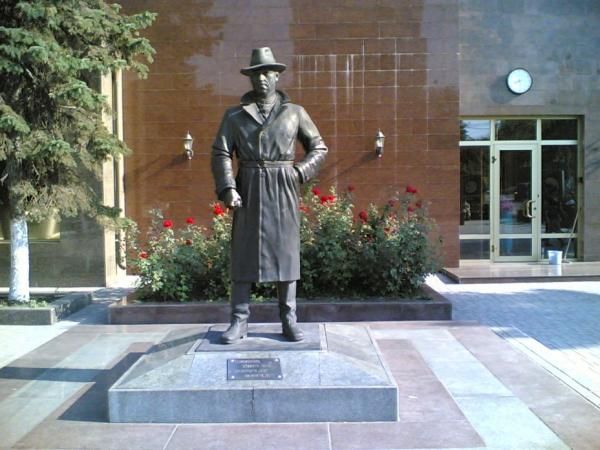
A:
(410, 209)
(419, 204)
(363, 216)
(143, 255)
(316, 191)
(190, 220)
(411, 189)
(167, 223)
(351, 188)
(331, 198)
(188, 242)
(324, 199)
(218, 210)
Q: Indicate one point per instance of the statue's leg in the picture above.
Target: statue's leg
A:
(240, 311)
(286, 293)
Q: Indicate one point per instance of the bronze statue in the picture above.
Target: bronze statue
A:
(265, 246)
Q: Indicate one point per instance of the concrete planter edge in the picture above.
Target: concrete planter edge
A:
(45, 315)
(435, 308)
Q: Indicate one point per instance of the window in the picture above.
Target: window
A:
(554, 167)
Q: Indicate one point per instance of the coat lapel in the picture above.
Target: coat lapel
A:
(252, 109)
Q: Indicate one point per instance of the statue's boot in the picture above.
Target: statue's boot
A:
(286, 293)
(240, 311)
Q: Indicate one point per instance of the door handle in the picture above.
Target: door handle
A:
(528, 210)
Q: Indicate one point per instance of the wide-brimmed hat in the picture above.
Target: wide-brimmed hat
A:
(262, 58)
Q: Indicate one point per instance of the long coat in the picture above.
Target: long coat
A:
(266, 228)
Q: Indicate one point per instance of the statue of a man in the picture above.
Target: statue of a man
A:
(261, 133)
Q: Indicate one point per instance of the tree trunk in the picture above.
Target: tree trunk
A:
(19, 261)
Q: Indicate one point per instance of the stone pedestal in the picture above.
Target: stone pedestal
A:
(335, 375)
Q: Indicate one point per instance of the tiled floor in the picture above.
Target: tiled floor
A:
(555, 323)
(460, 386)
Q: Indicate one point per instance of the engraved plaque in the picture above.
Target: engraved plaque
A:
(254, 369)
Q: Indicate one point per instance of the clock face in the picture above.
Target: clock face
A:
(519, 81)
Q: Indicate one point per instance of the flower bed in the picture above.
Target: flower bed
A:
(383, 251)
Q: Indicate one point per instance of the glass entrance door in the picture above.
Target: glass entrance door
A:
(516, 206)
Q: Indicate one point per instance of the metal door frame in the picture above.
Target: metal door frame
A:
(534, 207)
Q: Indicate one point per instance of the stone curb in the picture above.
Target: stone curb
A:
(437, 308)
(45, 315)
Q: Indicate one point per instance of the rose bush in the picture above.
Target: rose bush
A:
(382, 251)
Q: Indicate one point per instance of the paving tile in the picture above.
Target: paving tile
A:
(576, 421)
(580, 430)
(505, 422)
(425, 399)
(101, 436)
(251, 437)
(50, 388)
(396, 345)
(432, 434)
(464, 378)
(470, 383)
(402, 358)
(406, 363)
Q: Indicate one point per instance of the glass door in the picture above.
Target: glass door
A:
(516, 222)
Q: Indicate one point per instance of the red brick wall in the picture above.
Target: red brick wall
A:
(355, 65)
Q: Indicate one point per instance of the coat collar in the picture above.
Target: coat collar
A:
(249, 98)
(248, 102)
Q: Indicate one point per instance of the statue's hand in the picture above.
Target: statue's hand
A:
(232, 199)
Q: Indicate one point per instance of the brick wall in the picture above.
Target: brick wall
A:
(355, 65)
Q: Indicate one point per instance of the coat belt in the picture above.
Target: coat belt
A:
(262, 164)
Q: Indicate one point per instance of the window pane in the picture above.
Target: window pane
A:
(474, 130)
(515, 247)
(559, 188)
(515, 191)
(474, 249)
(559, 129)
(511, 130)
(475, 190)
(559, 244)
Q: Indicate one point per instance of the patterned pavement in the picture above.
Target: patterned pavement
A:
(556, 324)
(460, 385)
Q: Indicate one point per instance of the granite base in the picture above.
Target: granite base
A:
(336, 374)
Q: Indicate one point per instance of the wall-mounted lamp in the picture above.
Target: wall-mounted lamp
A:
(188, 140)
(379, 139)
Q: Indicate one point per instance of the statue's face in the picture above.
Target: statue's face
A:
(264, 82)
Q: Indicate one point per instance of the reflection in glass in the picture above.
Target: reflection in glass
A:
(559, 188)
(46, 230)
(559, 129)
(475, 190)
(474, 249)
(515, 247)
(515, 192)
(474, 130)
(560, 244)
(510, 130)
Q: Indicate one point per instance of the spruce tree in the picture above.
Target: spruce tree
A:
(52, 139)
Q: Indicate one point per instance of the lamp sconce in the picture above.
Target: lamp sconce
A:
(379, 139)
(188, 141)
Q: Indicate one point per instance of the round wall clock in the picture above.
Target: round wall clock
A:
(519, 81)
